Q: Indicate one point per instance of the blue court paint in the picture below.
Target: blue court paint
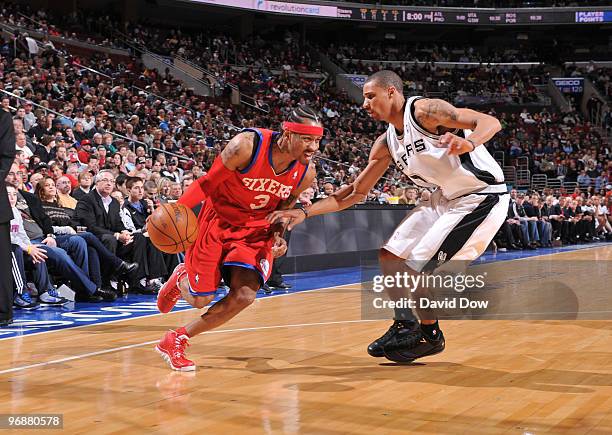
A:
(134, 306)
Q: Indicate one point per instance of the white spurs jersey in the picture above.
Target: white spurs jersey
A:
(417, 155)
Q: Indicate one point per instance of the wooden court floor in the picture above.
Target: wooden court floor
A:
(297, 364)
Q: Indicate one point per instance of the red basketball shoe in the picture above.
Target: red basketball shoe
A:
(170, 292)
(172, 349)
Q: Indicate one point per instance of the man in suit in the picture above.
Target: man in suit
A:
(100, 213)
(7, 154)
(67, 254)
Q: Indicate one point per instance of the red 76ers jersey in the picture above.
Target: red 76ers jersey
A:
(248, 196)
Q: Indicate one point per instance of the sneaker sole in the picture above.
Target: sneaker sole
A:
(166, 358)
(17, 307)
(54, 304)
(397, 356)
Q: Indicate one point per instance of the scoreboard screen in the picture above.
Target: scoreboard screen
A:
(473, 16)
(421, 15)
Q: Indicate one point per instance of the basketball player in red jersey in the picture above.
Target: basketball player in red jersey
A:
(259, 171)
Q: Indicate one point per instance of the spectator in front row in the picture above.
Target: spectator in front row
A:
(135, 211)
(57, 258)
(100, 213)
(528, 226)
(534, 209)
(20, 244)
(601, 212)
(102, 264)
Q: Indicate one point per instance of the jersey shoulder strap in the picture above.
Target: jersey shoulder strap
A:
(261, 142)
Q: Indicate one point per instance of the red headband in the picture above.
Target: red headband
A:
(296, 127)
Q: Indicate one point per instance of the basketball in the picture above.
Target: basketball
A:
(172, 228)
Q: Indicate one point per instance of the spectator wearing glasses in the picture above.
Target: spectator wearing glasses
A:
(173, 172)
(100, 213)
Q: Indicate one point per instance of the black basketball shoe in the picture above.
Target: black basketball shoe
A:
(375, 348)
(410, 345)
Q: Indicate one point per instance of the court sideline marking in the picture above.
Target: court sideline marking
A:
(131, 346)
(171, 312)
(285, 294)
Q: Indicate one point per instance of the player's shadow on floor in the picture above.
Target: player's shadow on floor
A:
(441, 373)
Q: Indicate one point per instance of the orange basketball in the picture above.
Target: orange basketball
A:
(172, 228)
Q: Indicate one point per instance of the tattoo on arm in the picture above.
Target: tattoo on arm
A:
(234, 146)
(439, 110)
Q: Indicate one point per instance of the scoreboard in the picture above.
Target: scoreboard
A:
(422, 15)
(473, 16)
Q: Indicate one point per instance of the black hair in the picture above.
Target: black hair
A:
(121, 179)
(386, 78)
(302, 112)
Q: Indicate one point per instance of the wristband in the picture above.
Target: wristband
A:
(472, 142)
(300, 206)
(29, 250)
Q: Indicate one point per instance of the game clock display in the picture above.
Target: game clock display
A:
(475, 16)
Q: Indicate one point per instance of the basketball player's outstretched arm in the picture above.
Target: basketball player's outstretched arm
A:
(356, 192)
(236, 155)
(280, 226)
(434, 113)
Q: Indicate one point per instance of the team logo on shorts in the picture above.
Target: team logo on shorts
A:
(265, 266)
(441, 257)
(196, 278)
(295, 175)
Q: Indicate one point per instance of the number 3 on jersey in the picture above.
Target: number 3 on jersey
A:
(263, 201)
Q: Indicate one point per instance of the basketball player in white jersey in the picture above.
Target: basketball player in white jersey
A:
(439, 147)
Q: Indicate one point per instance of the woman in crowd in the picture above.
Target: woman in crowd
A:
(100, 259)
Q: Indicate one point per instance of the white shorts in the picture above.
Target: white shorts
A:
(440, 230)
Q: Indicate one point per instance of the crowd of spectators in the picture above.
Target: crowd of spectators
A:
(599, 76)
(126, 139)
(492, 83)
(432, 52)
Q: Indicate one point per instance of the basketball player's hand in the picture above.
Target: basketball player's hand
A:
(280, 246)
(456, 145)
(295, 216)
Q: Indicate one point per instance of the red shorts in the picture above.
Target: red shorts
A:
(220, 245)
